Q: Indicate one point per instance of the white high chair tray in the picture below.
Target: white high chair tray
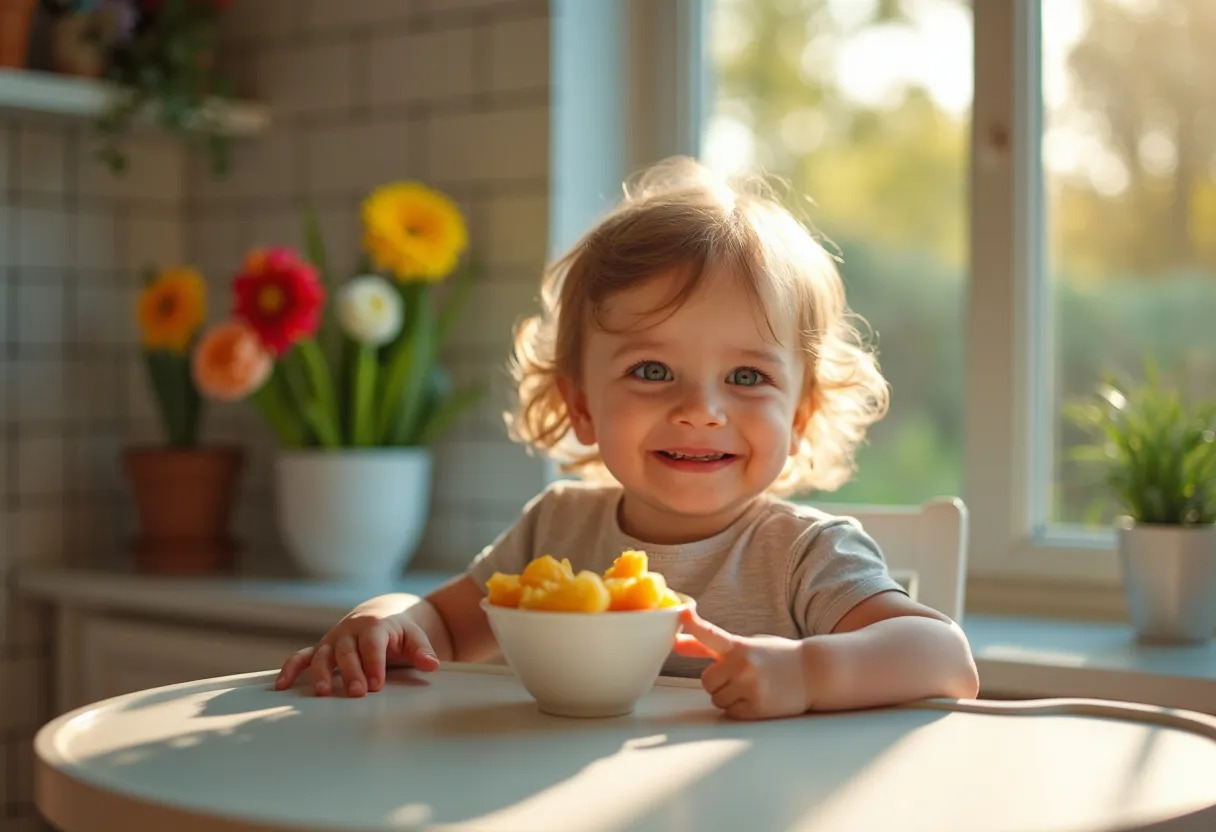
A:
(466, 748)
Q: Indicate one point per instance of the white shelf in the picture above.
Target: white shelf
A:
(62, 95)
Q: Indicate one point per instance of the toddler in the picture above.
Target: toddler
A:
(693, 360)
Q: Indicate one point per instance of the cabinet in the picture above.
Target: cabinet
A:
(100, 655)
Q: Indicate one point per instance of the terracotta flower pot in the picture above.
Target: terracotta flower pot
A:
(16, 20)
(185, 500)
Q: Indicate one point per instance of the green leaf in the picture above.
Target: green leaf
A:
(447, 412)
(409, 365)
(458, 292)
(364, 397)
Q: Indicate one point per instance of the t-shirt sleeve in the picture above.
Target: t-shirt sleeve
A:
(512, 550)
(836, 567)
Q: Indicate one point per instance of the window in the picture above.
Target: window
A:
(1129, 156)
(1007, 246)
(865, 109)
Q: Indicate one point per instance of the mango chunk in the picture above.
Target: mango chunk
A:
(670, 599)
(641, 593)
(585, 592)
(631, 564)
(504, 590)
(546, 569)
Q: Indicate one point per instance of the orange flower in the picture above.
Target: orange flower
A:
(230, 362)
(172, 308)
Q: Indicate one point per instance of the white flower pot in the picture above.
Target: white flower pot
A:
(1169, 580)
(353, 514)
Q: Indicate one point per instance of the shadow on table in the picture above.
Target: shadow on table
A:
(495, 765)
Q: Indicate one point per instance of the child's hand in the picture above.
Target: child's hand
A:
(361, 645)
(751, 678)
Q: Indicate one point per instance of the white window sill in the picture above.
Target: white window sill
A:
(1018, 657)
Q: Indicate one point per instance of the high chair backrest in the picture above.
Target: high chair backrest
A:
(929, 540)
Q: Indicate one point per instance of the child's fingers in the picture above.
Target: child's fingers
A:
(717, 676)
(418, 647)
(350, 666)
(295, 663)
(322, 669)
(730, 694)
(713, 637)
(687, 645)
(373, 647)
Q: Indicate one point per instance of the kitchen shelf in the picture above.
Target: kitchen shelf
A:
(26, 90)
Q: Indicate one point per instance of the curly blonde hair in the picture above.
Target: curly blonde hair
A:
(679, 217)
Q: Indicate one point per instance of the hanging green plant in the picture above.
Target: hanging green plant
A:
(166, 70)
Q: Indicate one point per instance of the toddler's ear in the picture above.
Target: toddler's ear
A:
(576, 406)
(801, 416)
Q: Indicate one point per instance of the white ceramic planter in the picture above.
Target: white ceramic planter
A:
(353, 514)
(1169, 580)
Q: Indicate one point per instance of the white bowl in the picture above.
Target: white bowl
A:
(586, 664)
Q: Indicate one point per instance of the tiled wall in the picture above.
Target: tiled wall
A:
(453, 92)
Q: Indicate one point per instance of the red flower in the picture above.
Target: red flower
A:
(279, 296)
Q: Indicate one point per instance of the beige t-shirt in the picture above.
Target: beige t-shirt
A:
(781, 569)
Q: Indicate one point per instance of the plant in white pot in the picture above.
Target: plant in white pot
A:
(357, 395)
(1157, 457)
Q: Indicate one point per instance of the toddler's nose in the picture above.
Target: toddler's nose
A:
(699, 408)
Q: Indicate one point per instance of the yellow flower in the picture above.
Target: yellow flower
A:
(412, 231)
(172, 308)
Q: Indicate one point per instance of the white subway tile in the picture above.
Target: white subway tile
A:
(491, 312)
(8, 237)
(306, 79)
(94, 179)
(518, 145)
(485, 470)
(43, 237)
(95, 527)
(453, 5)
(40, 311)
(277, 227)
(341, 228)
(39, 389)
(431, 65)
(96, 240)
(7, 409)
(140, 401)
(328, 16)
(157, 169)
(25, 763)
(518, 231)
(274, 19)
(24, 696)
(40, 466)
(519, 55)
(27, 623)
(354, 158)
(43, 157)
(91, 392)
(7, 142)
(216, 244)
(459, 147)
(153, 241)
(40, 536)
(6, 288)
(104, 313)
(265, 168)
(96, 463)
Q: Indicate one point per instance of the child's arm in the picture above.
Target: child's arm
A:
(886, 650)
(396, 629)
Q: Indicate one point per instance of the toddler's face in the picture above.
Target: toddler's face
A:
(694, 413)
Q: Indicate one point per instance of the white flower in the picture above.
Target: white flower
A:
(369, 309)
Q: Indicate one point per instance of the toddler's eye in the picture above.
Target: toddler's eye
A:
(746, 377)
(651, 371)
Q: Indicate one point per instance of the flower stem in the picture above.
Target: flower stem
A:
(364, 389)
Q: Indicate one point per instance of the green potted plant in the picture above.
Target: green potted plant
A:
(357, 394)
(166, 68)
(1156, 455)
(183, 489)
